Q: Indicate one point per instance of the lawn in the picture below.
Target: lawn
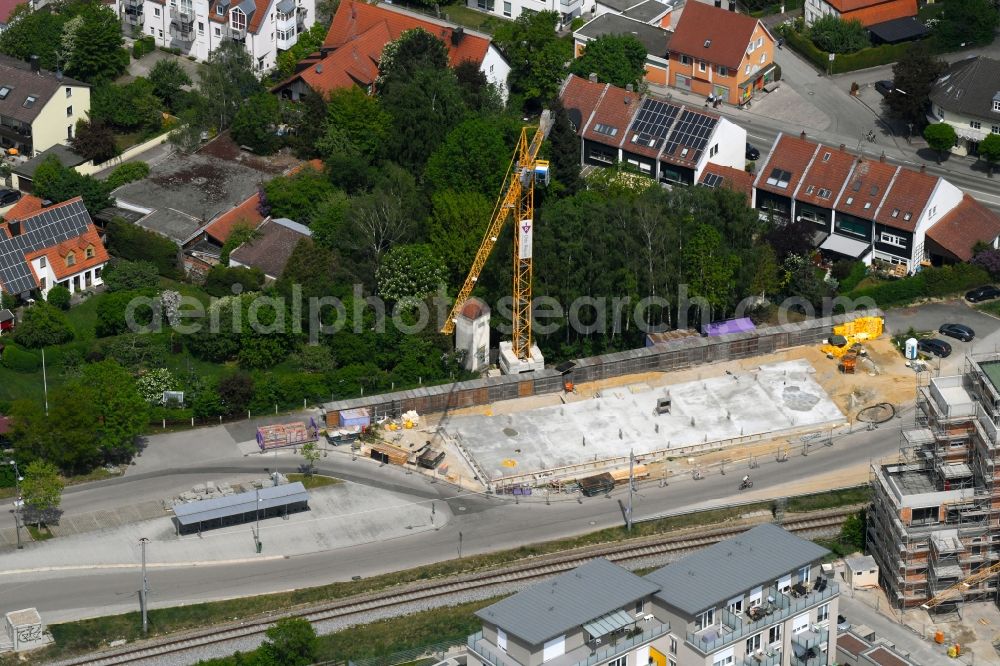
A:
(314, 480)
(991, 308)
(462, 15)
(83, 319)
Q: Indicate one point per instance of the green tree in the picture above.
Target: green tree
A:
(124, 275)
(297, 197)
(235, 392)
(766, 274)
(59, 297)
(456, 228)
(221, 280)
(306, 44)
(329, 219)
(128, 172)
(95, 52)
(226, 81)
(423, 109)
(242, 232)
(41, 491)
(852, 532)
(616, 59)
(57, 183)
(479, 94)
(413, 50)
(307, 119)
(169, 81)
(914, 74)
(709, 268)
(29, 429)
(409, 273)
(536, 54)
(255, 124)
(989, 150)
(834, 35)
(358, 118)
(310, 453)
(290, 642)
(564, 152)
(42, 325)
(112, 308)
(967, 23)
(474, 156)
(132, 242)
(94, 141)
(120, 411)
(941, 138)
(71, 446)
(128, 108)
(30, 32)
(801, 280)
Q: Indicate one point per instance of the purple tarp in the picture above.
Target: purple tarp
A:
(743, 325)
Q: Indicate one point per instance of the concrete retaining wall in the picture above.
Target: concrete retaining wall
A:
(672, 355)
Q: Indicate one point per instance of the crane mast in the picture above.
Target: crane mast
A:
(516, 201)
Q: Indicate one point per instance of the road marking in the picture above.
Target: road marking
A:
(149, 565)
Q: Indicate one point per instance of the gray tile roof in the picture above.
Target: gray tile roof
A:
(271, 248)
(16, 75)
(235, 505)
(569, 600)
(969, 87)
(64, 154)
(720, 572)
(655, 39)
(44, 229)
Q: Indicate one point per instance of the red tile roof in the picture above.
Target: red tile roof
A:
(58, 255)
(966, 224)
(26, 206)
(246, 212)
(866, 186)
(734, 179)
(790, 154)
(582, 95)
(355, 64)
(908, 196)
(6, 7)
(826, 175)
(727, 34)
(353, 19)
(614, 110)
(881, 12)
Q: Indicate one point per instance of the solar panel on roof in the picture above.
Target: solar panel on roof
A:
(46, 228)
(711, 180)
(652, 123)
(692, 131)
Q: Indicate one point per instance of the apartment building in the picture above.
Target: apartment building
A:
(670, 142)
(934, 516)
(38, 108)
(511, 9)
(755, 600)
(198, 27)
(967, 97)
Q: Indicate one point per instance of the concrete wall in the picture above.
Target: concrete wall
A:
(673, 355)
(89, 168)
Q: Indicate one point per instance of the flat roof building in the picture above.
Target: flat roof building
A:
(241, 508)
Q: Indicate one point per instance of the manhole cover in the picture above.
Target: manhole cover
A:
(593, 522)
(510, 432)
(461, 508)
(199, 180)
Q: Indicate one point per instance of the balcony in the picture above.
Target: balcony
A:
(763, 658)
(807, 647)
(181, 24)
(570, 6)
(286, 38)
(237, 34)
(582, 656)
(736, 627)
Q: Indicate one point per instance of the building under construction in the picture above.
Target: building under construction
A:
(934, 517)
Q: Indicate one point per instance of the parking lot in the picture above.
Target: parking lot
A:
(930, 316)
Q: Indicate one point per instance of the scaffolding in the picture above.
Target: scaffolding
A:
(934, 516)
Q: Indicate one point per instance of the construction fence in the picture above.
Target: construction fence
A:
(672, 355)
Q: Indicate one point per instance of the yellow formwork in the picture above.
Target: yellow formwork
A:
(861, 329)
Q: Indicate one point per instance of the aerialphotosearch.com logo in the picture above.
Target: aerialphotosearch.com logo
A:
(328, 315)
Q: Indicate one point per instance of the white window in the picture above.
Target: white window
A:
(723, 658)
(823, 613)
(706, 619)
(218, 31)
(673, 645)
(763, 57)
(723, 71)
(995, 129)
(800, 623)
(69, 111)
(748, 70)
(238, 20)
(713, 151)
(975, 124)
(804, 574)
(161, 33)
(755, 596)
(506, 9)
(996, 105)
(201, 27)
(774, 635)
(554, 648)
(785, 582)
(685, 60)
(620, 661)
(501, 639)
(156, 11)
(931, 212)
(735, 605)
(760, 42)
(671, 662)
(152, 30)
(701, 65)
(220, 10)
(69, 92)
(753, 644)
(752, 47)
(893, 239)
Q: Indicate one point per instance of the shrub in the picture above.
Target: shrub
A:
(42, 326)
(856, 273)
(928, 283)
(123, 275)
(834, 35)
(221, 279)
(127, 173)
(59, 296)
(20, 360)
(134, 243)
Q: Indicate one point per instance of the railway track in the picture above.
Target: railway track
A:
(344, 609)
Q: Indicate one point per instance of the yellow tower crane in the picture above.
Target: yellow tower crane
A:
(517, 200)
(961, 586)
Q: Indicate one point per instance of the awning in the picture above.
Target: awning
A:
(605, 624)
(849, 247)
(970, 133)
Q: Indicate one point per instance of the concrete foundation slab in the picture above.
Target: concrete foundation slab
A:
(778, 398)
(510, 364)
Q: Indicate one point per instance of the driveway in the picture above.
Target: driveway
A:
(930, 316)
(143, 66)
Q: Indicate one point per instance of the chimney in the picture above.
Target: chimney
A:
(14, 227)
(319, 68)
(803, 135)
(881, 158)
(35, 66)
(843, 147)
(457, 34)
(732, 6)
(629, 87)
(718, 4)
(593, 77)
(923, 168)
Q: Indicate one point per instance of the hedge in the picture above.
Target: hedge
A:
(143, 46)
(20, 360)
(928, 283)
(872, 56)
(134, 243)
(127, 173)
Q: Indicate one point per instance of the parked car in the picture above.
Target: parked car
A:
(957, 331)
(934, 346)
(985, 293)
(883, 87)
(842, 623)
(752, 152)
(8, 197)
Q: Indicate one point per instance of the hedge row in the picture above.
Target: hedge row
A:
(928, 283)
(143, 46)
(872, 56)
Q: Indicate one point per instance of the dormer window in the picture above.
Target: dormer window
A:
(996, 105)
(4, 91)
(89, 252)
(895, 212)
(826, 157)
(907, 217)
(70, 259)
(849, 201)
(238, 20)
(42, 262)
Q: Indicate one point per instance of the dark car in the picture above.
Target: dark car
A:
(935, 346)
(986, 293)
(752, 153)
(883, 87)
(8, 197)
(957, 331)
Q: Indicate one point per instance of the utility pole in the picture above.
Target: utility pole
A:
(45, 383)
(459, 545)
(631, 482)
(18, 503)
(145, 586)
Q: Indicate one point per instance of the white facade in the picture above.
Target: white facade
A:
(75, 282)
(817, 9)
(198, 27)
(567, 9)
(731, 140)
(56, 122)
(496, 68)
(970, 130)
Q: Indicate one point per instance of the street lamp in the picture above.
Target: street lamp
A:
(257, 533)
(18, 502)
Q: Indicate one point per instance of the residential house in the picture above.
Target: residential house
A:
(44, 246)
(204, 248)
(655, 39)
(353, 47)
(661, 139)
(967, 97)
(23, 173)
(271, 247)
(198, 27)
(512, 9)
(737, 180)
(38, 108)
(653, 12)
(6, 9)
(758, 599)
(867, 12)
(721, 53)
(869, 209)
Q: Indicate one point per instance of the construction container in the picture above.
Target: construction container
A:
(389, 453)
(430, 458)
(355, 417)
(621, 475)
(595, 485)
(284, 434)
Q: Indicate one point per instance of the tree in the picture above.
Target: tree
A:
(226, 81)
(59, 297)
(30, 32)
(616, 59)
(112, 308)
(766, 278)
(329, 219)
(456, 228)
(311, 455)
(989, 150)
(120, 412)
(297, 197)
(154, 383)
(852, 532)
(794, 238)
(803, 282)
(41, 491)
(306, 43)
(42, 325)
(235, 392)
(413, 50)
(242, 232)
(57, 183)
(474, 156)
(423, 109)
(479, 94)
(290, 642)
(94, 141)
(221, 280)
(536, 54)
(358, 118)
(409, 273)
(93, 51)
(565, 152)
(941, 138)
(989, 260)
(131, 107)
(255, 124)
(169, 80)
(708, 266)
(967, 23)
(307, 121)
(383, 218)
(834, 35)
(29, 429)
(914, 75)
